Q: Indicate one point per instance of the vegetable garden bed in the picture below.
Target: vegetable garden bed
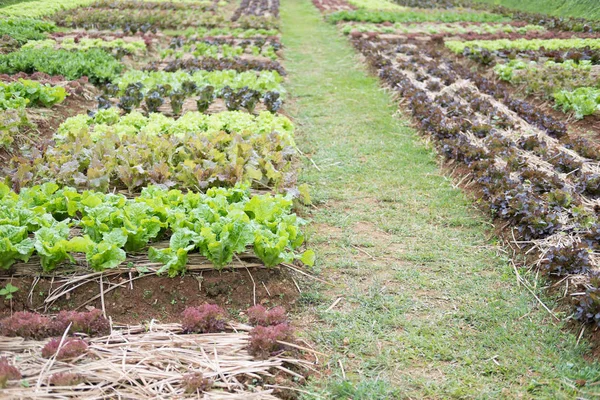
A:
(148, 181)
(110, 189)
(535, 166)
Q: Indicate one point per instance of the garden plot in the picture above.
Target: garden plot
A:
(175, 144)
(441, 29)
(532, 165)
(204, 354)
(332, 5)
(562, 70)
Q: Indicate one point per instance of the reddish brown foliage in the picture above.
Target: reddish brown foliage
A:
(65, 379)
(91, 322)
(264, 339)
(71, 348)
(195, 382)
(207, 318)
(25, 324)
(259, 315)
(7, 372)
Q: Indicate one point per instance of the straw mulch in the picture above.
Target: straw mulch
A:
(148, 362)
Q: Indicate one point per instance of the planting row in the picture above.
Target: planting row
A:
(220, 51)
(220, 224)
(523, 160)
(442, 28)
(194, 152)
(74, 342)
(152, 89)
(414, 15)
(129, 17)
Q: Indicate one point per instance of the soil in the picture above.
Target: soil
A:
(160, 298)
(588, 127)
(333, 5)
(49, 119)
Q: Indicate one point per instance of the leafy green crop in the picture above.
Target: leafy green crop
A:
(133, 47)
(584, 101)
(546, 78)
(201, 49)
(195, 152)
(458, 46)
(12, 123)
(263, 81)
(376, 5)
(506, 71)
(96, 64)
(24, 29)
(233, 32)
(42, 7)
(218, 224)
(27, 93)
(107, 122)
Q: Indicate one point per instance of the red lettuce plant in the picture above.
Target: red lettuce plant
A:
(25, 324)
(91, 323)
(195, 382)
(71, 348)
(264, 340)
(569, 259)
(36, 326)
(65, 379)
(207, 318)
(259, 315)
(7, 372)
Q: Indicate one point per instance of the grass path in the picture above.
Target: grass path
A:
(429, 308)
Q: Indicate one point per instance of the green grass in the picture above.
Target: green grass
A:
(430, 309)
(589, 9)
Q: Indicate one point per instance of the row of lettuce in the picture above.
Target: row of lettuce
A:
(157, 169)
(527, 50)
(535, 169)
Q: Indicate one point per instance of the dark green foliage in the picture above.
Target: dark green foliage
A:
(206, 97)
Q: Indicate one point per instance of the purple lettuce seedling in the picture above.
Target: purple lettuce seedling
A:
(7, 372)
(71, 348)
(25, 324)
(207, 318)
(264, 339)
(195, 382)
(65, 379)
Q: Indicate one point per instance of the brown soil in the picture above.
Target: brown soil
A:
(588, 127)
(49, 119)
(160, 297)
(333, 5)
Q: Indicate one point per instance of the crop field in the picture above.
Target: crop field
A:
(513, 108)
(326, 199)
(148, 176)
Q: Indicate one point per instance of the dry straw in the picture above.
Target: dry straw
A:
(143, 362)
